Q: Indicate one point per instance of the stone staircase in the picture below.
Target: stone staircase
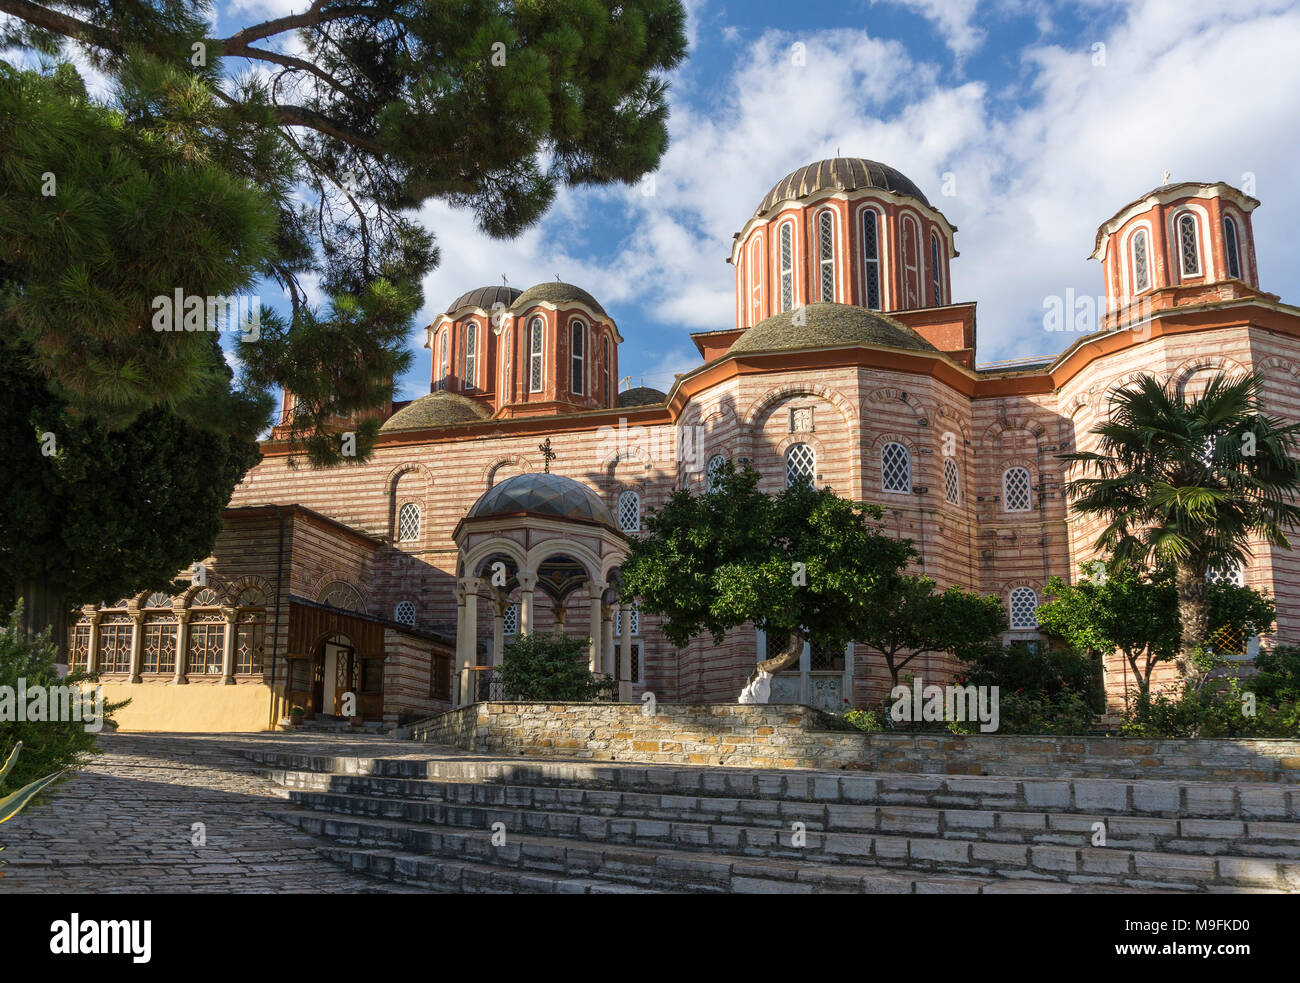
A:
(458, 822)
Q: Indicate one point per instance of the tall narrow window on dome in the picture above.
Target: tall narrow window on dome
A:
(1231, 251)
(756, 281)
(469, 357)
(800, 464)
(1188, 247)
(871, 256)
(1141, 262)
(936, 281)
(826, 255)
(951, 482)
(895, 468)
(577, 357)
(505, 393)
(536, 331)
(787, 266)
(605, 369)
(911, 263)
(442, 360)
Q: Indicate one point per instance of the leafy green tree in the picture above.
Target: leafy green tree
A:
(801, 565)
(548, 667)
(1189, 480)
(911, 618)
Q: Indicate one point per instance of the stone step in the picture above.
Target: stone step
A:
(383, 841)
(1104, 797)
(617, 815)
(1092, 865)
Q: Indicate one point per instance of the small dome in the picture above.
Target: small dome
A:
(556, 293)
(839, 174)
(826, 325)
(641, 396)
(438, 409)
(551, 495)
(484, 298)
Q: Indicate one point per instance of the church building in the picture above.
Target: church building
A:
(502, 501)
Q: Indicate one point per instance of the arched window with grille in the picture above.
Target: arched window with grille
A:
(713, 472)
(785, 236)
(609, 400)
(443, 363)
(404, 613)
(1189, 246)
(1229, 573)
(826, 256)
(469, 357)
(1141, 260)
(629, 511)
(1017, 490)
(800, 464)
(505, 393)
(871, 256)
(577, 357)
(510, 619)
(536, 339)
(756, 281)
(951, 482)
(936, 276)
(895, 468)
(1231, 247)
(408, 523)
(911, 263)
(1022, 609)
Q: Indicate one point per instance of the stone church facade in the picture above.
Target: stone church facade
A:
(501, 501)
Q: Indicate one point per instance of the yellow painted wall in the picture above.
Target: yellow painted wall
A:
(193, 708)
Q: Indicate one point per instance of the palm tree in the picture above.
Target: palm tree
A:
(1191, 480)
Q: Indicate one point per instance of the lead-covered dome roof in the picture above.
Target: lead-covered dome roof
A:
(435, 410)
(559, 294)
(839, 174)
(485, 298)
(551, 495)
(825, 325)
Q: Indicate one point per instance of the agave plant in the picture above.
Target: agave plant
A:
(13, 803)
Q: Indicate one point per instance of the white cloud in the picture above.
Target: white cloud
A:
(951, 18)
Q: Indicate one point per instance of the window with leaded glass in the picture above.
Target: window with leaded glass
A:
(826, 255)
(408, 523)
(801, 419)
(443, 363)
(911, 262)
(786, 236)
(895, 468)
(1231, 249)
(207, 643)
(79, 646)
(609, 399)
(469, 357)
(634, 617)
(1016, 490)
(629, 511)
(115, 643)
(159, 650)
(1141, 262)
(250, 642)
(577, 357)
(1230, 573)
(755, 280)
(713, 472)
(951, 482)
(1022, 609)
(510, 619)
(1188, 247)
(871, 256)
(824, 659)
(158, 600)
(936, 281)
(800, 464)
(404, 613)
(343, 596)
(505, 367)
(536, 333)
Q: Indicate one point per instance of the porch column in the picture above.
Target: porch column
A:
(625, 652)
(467, 634)
(527, 581)
(137, 642)
(92, 655)
(182, 645)
(607, 640)
(228, 648)
(595, 657)
(498, 629)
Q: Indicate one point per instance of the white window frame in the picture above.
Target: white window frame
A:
(469, 356)
(1022, 625)
(407, 608)
(537, 355)
(1176, 221)
(785, 233)
(406, 509)
(1140, 234)
(606, 347)
(884, 469)
(1029, 490)
(936, 275)
(628, 500)
(1232, 256)
(505, 366)
(910, 301)
(756, 280)
(811, 469)
(877, 262)
(444, 365)
(825, 262)
(951, 481)
(711, 471)
(577, 357)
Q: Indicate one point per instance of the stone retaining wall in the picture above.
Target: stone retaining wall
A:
(778, 736)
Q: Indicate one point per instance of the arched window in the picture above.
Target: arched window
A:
(1022, 608)
(911, 263)
(936, 279)
(115, 632)
(469, 357)
(159, 652)
(404, 613)
(871, 256)
(408, 523)
(250, 642)
(629, 511)
(577, 357)
(1141, 262)
(634, 616)
(505, 393)
(756, 281)
(158, 600)
(510, 619)
(609, 401)
(1230, 573)
(951, 482)
(895, 468)
(1016, 490)
(536, 336)
(800, 464)
(826, 255)
(1189, 249)
(1231, 249)
(443, 364)
(713, 472)
(786, 235)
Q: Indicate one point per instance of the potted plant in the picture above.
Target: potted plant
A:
(356, 720)
(296, 715)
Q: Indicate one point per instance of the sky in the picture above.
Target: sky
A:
(1026, 123)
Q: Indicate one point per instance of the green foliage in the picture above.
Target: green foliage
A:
(1063, 713)
(1278, 678)
(868, 721)
(1045, 674)
(803, 561)
(549, 667)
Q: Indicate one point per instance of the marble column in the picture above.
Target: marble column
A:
(137, 643)
(92, 653)
(182, 646)
(607, 640)
(228, 648)
(625, 652)
(527, 581)
(498, 628)
(595, 657)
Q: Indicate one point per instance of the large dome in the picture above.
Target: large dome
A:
(484, 298)
(559, 294)
(828, 324)
(551, 495)
(839, 174)
(438, 409)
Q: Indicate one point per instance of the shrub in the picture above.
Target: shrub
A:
(550, 667)
(1016, 668)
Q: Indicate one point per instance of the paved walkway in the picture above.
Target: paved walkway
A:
(125, 823)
